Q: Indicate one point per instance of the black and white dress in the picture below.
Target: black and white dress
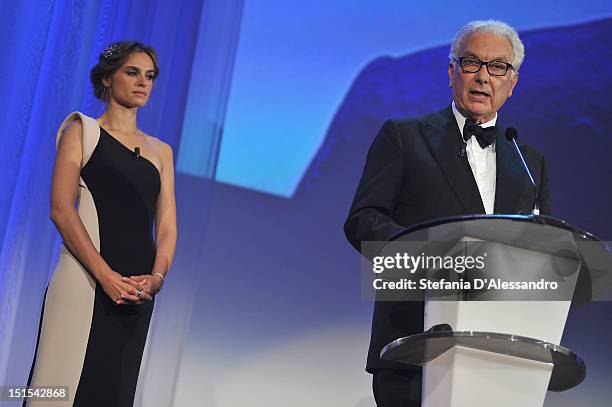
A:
(86, 341)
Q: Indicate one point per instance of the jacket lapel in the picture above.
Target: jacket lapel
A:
(443, 137)
(511, 177)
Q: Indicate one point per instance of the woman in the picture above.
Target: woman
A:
(99, 302)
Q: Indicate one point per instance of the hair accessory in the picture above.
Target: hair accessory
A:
(110, 50)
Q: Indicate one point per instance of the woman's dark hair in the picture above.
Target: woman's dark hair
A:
(111, 59)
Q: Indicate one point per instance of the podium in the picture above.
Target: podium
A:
(496, 347)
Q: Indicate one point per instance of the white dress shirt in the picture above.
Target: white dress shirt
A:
(482, 162)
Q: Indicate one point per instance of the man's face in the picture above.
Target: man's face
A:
(480, 95)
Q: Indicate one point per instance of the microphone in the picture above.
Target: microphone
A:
(137, 153)
(511, 135)
(461, 151)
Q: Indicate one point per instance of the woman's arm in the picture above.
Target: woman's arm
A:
(165, 220)
(64, 189)
(165, 225)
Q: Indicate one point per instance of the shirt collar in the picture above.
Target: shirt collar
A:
(461, 119)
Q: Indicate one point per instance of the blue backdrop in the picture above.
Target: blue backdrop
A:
(270, 108)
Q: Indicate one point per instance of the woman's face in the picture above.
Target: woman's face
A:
(132, 83)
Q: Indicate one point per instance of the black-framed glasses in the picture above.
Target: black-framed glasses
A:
(472, 65)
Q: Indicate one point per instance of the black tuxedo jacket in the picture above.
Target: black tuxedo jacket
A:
(413, 173)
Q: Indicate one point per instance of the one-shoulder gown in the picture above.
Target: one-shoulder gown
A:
(86, 341)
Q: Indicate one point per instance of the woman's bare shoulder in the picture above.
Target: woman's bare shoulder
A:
(161, 147)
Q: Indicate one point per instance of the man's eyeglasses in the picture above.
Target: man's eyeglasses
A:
(473, 65)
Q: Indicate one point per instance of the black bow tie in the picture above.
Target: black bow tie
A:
(484, 135)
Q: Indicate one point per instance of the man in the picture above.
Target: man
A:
(442, 165)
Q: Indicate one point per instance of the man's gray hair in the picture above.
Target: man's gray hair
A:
(495, 27)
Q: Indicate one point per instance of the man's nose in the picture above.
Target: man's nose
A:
(482, 76)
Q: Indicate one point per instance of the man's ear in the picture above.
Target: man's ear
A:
(451, 74)
(513, 84)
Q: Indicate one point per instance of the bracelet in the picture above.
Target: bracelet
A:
(161, 277)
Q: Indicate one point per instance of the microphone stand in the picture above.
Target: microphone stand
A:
(511, 135)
